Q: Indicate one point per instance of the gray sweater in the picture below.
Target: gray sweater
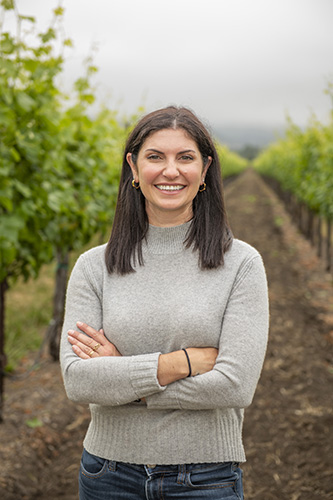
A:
(167, 304)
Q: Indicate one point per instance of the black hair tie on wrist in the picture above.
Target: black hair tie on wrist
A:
(189, 363)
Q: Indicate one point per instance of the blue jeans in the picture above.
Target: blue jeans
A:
(102, 479)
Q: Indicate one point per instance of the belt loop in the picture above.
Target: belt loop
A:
(181, 474)
(112, 466)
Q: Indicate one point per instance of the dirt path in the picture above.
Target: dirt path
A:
(287, 427)
(286, 433)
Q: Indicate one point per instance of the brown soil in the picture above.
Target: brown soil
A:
(287, 428)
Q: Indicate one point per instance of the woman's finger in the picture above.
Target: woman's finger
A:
(82, 350)
(83, 341)
(88, 340)
(89, 330)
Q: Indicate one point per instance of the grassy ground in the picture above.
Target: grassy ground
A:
(29, 311)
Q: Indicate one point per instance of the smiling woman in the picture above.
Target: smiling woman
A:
(170, 149)
(166, 326)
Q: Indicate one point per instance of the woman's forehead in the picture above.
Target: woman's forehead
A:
(169, 138)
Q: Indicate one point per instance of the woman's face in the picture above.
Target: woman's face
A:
(170, 169)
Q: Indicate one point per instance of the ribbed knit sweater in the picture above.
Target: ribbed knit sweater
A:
(168, 304)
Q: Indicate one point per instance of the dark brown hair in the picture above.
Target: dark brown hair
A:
(209, 232)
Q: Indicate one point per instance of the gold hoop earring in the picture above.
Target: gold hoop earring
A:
(136, 185)
(202, 187)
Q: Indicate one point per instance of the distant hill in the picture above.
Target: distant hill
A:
(238, 137)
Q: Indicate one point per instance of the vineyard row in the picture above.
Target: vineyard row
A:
(300, 169)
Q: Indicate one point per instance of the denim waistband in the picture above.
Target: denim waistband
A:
(181, 468)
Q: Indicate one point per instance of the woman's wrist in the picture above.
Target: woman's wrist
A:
(172, 366)
(188, 362)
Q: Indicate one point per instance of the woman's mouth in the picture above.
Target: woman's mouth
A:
(168, 187)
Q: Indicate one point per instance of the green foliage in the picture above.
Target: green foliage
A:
(58, 167)
(7, 4)
(34, 422)
(59, 11)
(82, 186)
(29, 116)
(303, 163)
(231, 163)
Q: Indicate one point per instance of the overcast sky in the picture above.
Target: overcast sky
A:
(235, 62)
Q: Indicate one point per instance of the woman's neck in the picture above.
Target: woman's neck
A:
(168, 218)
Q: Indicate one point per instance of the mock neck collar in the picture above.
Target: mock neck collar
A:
(166, 240)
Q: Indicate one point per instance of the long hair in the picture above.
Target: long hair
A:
(209, 232)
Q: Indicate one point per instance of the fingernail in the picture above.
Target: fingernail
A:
(79, 323)
(70, 332)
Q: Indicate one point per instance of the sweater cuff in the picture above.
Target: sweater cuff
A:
(143, 374)
(164, 401)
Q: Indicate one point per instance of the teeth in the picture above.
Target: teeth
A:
(170, 188)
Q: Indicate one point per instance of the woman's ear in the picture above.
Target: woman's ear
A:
(206, 167)
(131, 163)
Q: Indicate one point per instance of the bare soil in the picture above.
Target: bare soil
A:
(288, 427)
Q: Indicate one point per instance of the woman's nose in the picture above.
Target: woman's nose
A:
(171, 169)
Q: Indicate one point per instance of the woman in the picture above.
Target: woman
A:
(173, 326)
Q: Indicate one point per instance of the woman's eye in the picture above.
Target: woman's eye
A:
(186, 157)
(154, 157)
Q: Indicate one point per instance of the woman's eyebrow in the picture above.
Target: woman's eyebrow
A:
(155, 150)
(179, 152)
(186, 151)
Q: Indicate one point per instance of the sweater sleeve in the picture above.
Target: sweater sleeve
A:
(242, 347)
(106, 381)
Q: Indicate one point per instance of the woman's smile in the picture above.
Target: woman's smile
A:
(170, 187)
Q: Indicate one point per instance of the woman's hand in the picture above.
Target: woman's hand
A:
(92, 345)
